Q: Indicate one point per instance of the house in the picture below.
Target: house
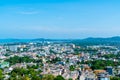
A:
(4, 64)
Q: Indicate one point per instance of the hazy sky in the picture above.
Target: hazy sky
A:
(59, 18)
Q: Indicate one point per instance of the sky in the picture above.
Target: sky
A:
(59, 19)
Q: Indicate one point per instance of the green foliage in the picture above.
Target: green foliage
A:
(101, 64)
(57, 59)
(33, 67)
(25, 78)
(31, 74)
(51, 51)
(67, 60)
(72, 68)
(36, 78)
(51, 77)
(115, 78)
(59, 77)
(17, 59)
(108, 56)
(7, 54)
(1, 75)
(20, 73)
(70, 79)
(48, 77)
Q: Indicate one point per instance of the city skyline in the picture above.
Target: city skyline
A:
(59, 19)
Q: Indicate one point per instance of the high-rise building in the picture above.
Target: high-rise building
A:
(109, 69)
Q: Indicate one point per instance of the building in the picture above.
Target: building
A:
(13, 48)
(103, 76)
(4, 64)
(109, 69)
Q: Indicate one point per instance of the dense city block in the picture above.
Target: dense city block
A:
(59, 61)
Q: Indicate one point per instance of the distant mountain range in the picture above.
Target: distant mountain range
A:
(112, 39)
(29, 40)
(90, 39)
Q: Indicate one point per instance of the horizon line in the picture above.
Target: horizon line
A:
(59, 38)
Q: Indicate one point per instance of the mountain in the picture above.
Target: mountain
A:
(111, 39)
(13, 40)
(32, 40)
(90, 40)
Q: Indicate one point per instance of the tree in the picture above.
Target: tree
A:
(1, 75)
(48, 77)
(25, 78)
(36, 78)
(115, 78)
(70, 79)
(72, 68)
(17, 59)
(59, 77)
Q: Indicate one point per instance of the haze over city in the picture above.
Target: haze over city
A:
(59, 19)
